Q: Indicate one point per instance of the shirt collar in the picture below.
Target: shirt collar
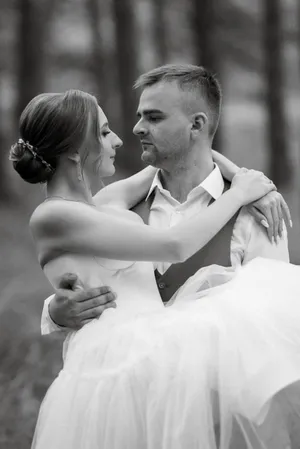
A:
(156, 183)
(213, 184)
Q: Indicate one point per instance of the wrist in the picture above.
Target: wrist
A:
(234, 170)
(238, 196)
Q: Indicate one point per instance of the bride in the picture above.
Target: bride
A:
(146, 376)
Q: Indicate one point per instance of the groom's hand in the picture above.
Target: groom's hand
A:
(73, 307)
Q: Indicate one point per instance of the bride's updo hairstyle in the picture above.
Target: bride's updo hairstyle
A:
(51, 125)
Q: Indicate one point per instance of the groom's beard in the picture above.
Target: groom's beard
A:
(149, 158)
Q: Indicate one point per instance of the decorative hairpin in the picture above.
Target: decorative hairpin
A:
(32, 151)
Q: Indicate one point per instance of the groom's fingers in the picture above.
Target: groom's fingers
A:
(91, 314)
(68, 281)
(97, 301)
(85, 295)
(84, 322)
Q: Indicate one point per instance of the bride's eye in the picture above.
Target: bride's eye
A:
(105, 133)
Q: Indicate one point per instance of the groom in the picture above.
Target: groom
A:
(177, 102)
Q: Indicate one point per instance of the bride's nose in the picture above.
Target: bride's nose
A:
(118, 142)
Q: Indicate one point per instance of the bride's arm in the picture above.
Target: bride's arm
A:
(127, 192)
(269, 211)
(61, 226)
(227, 168)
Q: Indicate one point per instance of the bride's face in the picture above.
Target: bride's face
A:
(110, 142)
(102, 150)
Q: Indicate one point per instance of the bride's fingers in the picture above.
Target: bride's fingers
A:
(259, 217)
(270, 229)
(280, 215)
(286, 213)
(276, 221)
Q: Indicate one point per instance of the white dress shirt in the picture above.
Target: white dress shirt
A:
(249, 239)
(166, 211)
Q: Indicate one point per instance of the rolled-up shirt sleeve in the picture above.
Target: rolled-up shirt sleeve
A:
(250, 240)
(47, 324)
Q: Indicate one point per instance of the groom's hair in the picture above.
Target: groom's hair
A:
(189, 78)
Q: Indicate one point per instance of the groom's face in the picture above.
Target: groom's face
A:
(163, 125)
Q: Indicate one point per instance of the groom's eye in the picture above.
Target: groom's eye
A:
(155, 118)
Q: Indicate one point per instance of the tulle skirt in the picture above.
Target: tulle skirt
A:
(216, 369)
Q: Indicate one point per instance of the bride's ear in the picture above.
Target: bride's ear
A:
(75, 157)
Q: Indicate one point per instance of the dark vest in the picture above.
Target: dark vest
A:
(216, 251)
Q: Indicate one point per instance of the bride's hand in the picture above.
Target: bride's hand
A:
(251, 185)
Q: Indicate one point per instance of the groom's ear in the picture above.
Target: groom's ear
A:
(199, 120)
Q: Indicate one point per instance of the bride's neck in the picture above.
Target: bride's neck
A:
(67, 183)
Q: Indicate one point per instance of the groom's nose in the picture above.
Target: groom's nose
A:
(139, 129)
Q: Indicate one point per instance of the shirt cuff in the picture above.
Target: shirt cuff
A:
(47, 324)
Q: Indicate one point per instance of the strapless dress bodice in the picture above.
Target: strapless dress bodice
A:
(134, 282)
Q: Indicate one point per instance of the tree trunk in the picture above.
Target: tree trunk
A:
(99, 63)
(33, 31)
(126, 65)
(298, 26)
(160, 31)
(5, 189)
(280, 169)
(205, 41)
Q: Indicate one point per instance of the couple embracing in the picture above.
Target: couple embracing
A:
(200, 349)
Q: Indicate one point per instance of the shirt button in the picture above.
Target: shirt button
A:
(161, 285)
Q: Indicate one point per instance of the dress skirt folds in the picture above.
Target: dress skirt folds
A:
(211, 367)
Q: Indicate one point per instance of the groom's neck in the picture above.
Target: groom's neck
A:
(180, 180)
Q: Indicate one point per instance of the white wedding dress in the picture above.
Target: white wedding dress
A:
(145, 376)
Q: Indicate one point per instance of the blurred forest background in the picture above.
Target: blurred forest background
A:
(101, 46)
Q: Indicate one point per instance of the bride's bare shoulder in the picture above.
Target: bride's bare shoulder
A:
(52, 215)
